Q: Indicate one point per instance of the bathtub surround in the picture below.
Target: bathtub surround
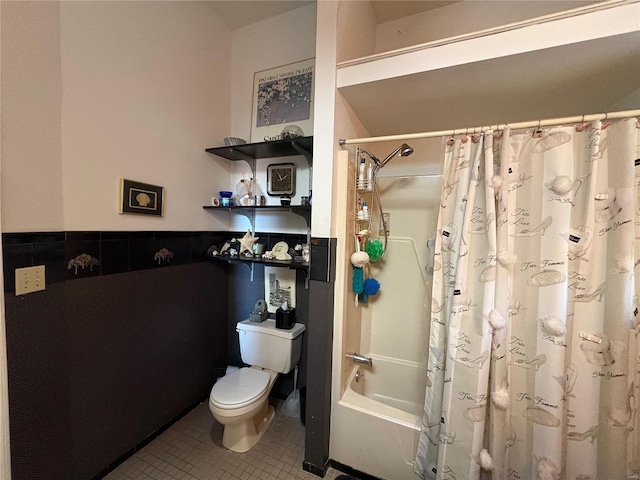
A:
(380, 410)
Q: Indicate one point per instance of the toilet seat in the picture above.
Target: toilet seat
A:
(239, 388)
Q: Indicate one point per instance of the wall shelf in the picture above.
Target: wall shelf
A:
(302, 210)
(262, 261)
(249, 153)
(279, 148)
(460, 77)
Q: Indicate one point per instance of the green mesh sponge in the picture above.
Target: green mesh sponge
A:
(375, 249)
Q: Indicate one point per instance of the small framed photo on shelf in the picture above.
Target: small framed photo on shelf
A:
(279, 287)
(282, 96)
(141, 198)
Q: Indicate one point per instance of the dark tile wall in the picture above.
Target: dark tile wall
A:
(98, 364)
(243, 294)
(320, 338)
(73, 255)
(118, 344)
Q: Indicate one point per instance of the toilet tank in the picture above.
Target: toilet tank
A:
(264, 345)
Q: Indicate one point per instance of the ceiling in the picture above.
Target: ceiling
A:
(240, 13)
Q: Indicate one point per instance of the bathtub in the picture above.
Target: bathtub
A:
(389, 389)
(376, 423)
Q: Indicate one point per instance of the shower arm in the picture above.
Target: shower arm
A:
(403, 150)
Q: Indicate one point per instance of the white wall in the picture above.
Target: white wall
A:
(5, 449)
(98, 91)
(145, 90)
(277, 41)
(356, 30)
(31, 99)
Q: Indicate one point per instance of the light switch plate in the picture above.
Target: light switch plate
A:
(30, 279)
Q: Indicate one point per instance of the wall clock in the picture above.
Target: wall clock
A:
(281, 179)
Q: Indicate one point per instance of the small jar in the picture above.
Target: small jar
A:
(285, 200)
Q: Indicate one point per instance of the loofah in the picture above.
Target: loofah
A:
(375, 249)
(506, 258)
(371, 286)
(486, 461)
(358, 280)
(560, 185)
(359, 259)
(553, 325)
(496, 320)
(501, 398)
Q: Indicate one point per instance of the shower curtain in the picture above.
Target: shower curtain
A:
(534, 358)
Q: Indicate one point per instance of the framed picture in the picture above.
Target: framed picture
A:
(282, 96)
(279, 287)
(141, 198)
(281, 179)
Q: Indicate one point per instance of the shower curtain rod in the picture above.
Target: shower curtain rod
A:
(502, 126)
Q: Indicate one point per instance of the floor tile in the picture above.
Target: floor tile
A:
(191, 449)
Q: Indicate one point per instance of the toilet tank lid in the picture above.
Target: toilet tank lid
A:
(269, 327)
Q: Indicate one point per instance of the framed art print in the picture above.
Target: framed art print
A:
(282, 96)
(279, 287)
(141, 198)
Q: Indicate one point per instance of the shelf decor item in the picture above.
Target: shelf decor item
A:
(282, 95)
(141, 198)
(281, 179)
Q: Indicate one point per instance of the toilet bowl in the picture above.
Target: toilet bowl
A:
(240, 400)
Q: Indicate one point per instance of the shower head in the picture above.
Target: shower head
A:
(406, 150)
(403, 150)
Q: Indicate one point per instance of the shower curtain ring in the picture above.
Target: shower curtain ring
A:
(538, 131)
(475, 137)
(452, 139)
(583, 126)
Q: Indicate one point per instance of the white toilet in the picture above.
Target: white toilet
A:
(240, 400)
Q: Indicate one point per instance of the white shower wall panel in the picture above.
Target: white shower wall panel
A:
(395, 324)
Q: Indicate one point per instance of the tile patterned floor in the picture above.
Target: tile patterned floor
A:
(191, 449)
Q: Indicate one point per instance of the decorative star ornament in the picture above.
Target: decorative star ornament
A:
(246, 242)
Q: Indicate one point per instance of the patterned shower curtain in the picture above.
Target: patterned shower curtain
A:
(534, 356)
